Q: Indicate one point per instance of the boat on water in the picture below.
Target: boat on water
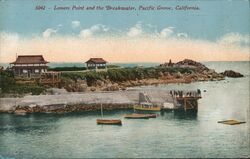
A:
(140, 116)
(108, 121)
(147, 107)
(136, 116)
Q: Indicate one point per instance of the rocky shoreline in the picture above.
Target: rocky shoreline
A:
(196, 72)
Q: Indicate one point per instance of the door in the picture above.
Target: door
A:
(29, 73)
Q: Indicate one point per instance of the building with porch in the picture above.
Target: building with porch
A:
(29, 66)
(96, 63)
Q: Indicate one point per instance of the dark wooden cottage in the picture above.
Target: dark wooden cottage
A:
(96, 63)
(29, 66)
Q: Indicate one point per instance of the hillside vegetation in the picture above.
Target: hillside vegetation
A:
(123, 74)
(8, 85)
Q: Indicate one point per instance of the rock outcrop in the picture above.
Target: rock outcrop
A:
(232, 74)
(76, 86)
(193, 64)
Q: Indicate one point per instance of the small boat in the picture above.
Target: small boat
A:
(109, 121)
(147, 107)
(136, 116)
(231, 122)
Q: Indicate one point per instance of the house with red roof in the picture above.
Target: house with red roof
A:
(96, 63)
(29, 66)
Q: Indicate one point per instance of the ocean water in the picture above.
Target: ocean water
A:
(76, 135)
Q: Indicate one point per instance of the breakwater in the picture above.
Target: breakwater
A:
(72, 102)
(58, 108)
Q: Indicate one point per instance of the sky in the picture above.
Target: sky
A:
(218, 31)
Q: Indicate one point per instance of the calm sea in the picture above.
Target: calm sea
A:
(76, 135)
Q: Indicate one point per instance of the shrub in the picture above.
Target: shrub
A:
(22, 89)
(6, 79)
(8, 85)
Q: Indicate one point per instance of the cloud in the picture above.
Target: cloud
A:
(149, 30)
(116, 45)
(86, 33)
(48, 32)
(9, 37)
(119, 48)
(166, 32)
(75, 24)
(98, 28)
(135, 30)
(234, 39)
(138, 30)
(182, 35)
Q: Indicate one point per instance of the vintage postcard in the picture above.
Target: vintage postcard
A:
(124, 79)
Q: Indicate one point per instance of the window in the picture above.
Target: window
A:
(36, 70)
(25, 71)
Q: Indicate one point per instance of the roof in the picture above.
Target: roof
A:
(30, 59)
(96, 60)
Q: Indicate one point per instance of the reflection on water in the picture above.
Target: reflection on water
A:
(171, 115)
(47, 122)
(27, 123)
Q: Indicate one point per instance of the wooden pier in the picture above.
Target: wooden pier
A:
(184, 101)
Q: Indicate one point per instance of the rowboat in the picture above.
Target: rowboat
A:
(109, 121)
(231, 122)
(136, 116)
